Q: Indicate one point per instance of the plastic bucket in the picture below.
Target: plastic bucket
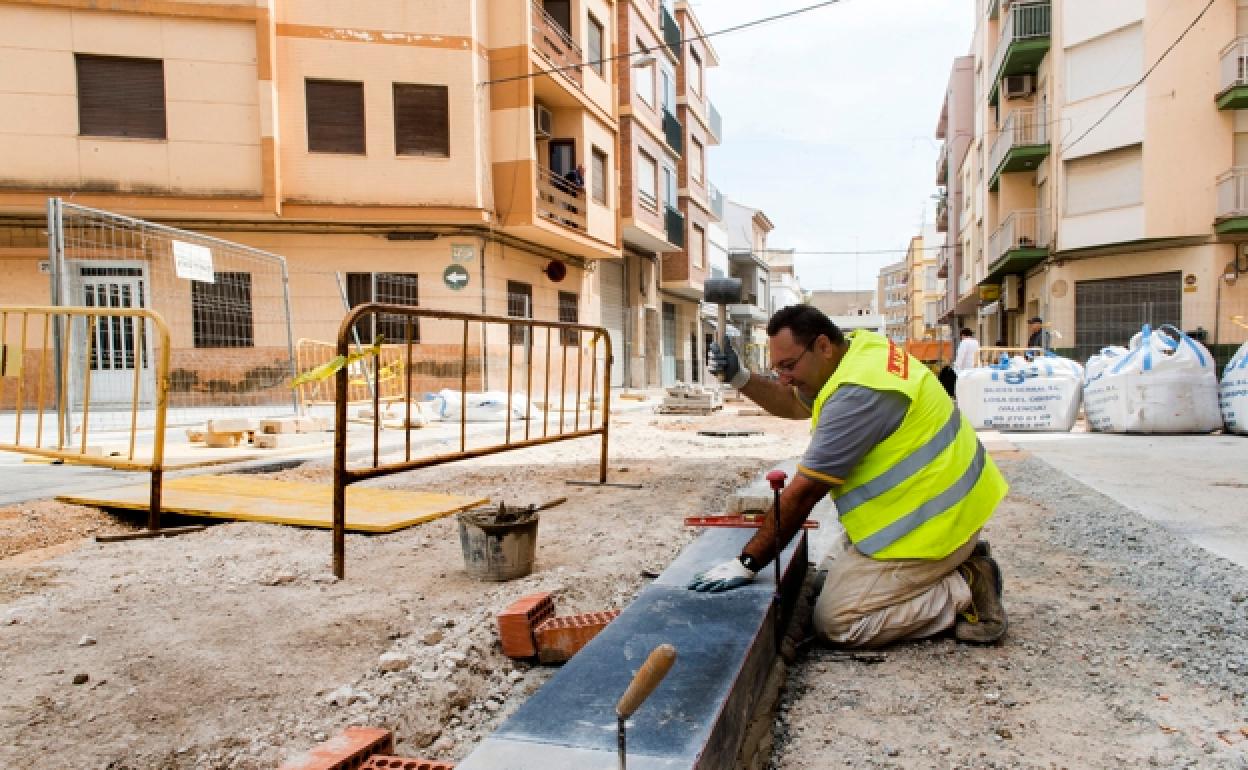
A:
(497, 548)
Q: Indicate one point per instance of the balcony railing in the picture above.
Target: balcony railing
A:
(1022, 230)
(1023, 22)
(560, 201)
(942, 216)
(1233, 81)
(674, 226)
(1023, 128)
(942, 165)
(671, 31)
(673, 132)
(1233, 193)
(554, 43)
(716, 121)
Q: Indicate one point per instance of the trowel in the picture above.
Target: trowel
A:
(647, 678)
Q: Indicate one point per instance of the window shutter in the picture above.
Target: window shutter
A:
(120, 96)
(335, 116)
(421, 120)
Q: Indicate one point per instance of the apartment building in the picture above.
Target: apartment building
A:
(785, 288)
(956, 129)
(893, 301)
(926, 288)
(747, 229)
(372, 144)
(1105, 196)
(850, 310)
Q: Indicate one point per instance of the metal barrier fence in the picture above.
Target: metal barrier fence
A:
(227, 307)
(130, 340)
(563, 362)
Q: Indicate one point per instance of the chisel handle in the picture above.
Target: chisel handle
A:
(647, 678)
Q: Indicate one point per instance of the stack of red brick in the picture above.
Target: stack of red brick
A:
(360, 748)
(528, 628)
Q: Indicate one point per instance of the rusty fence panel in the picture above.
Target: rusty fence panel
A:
(551, 379)
(132, 343)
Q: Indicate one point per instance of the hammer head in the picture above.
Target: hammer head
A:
(722, 291)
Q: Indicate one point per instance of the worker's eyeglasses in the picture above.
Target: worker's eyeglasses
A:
(787, 367)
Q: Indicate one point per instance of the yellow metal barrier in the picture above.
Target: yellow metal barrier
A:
(114, 338)
(517, 343)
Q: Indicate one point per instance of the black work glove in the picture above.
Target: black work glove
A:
(725, 365)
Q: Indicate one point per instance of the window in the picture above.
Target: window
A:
(1107, 180)
(594, 49)
(421, 120)
(697, 246)
(335, 116)
(119, 96)
(643, 77)
(697, 159)
(393, 289)
(695, 71)
(647, 180)
(568, 314)
(519, 305)
(669, 90)
(221, 312)
(599, 173)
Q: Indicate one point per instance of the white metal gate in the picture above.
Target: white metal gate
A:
(614, 312)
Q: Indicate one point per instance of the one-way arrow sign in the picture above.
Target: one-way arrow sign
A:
(455, 277)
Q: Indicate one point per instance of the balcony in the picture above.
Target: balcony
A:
(560, 202)
(555, 45)
(717, 203)
(1020, 146)
(942, 216)
(1232, 216)
(716, 123)
(674, 226)
(671, 32)
(1021, 242)
(942, 165)
(673, 132)
(1023, 44)
(1233, 85)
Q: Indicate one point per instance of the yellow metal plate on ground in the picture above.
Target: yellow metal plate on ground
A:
(283, 502)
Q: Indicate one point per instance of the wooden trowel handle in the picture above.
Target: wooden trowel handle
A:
(647, 678)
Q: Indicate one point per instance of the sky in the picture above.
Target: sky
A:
(829, 123)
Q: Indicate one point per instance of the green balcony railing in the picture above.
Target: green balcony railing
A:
(1023, 44)
(674, 226)
(673, 132)
(671, 32)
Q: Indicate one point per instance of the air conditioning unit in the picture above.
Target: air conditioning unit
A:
(543, 121)
(1009, 292)
(1018, 86)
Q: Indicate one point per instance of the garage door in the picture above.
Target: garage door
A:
(1108, 312)
(614, 313)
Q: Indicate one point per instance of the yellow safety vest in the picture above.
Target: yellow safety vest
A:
(924, 490)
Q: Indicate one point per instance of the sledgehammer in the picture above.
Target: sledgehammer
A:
(722, 292)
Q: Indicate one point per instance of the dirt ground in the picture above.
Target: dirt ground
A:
(235, 647)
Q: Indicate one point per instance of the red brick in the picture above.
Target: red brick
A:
(558, 639)
(517, 623)
(379, 762)
(346, 751)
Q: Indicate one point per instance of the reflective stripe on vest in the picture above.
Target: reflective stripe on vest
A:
(912, 464)
(927, 511)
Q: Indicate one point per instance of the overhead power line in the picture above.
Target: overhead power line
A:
(716, 33)
(1140, 82)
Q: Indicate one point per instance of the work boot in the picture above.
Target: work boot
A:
(984, 622)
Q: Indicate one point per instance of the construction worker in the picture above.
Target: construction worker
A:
(912, 485)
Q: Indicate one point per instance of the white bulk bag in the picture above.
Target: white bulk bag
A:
(1164, 383)
(482, 407)
(1022, 395)
(1233, 392)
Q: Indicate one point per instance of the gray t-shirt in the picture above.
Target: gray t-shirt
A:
(854, 419)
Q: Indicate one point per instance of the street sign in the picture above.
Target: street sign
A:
(455, 277)
(462, 252)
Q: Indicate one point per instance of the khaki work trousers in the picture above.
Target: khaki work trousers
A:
(869, 602)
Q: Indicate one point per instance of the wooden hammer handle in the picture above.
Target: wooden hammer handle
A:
(647, 678)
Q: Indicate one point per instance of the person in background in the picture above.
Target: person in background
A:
(968, 352)
(910, 479)
(1038, 336)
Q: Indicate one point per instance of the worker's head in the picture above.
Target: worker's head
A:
(967, 333)
(1035, 323)
(806, 347)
